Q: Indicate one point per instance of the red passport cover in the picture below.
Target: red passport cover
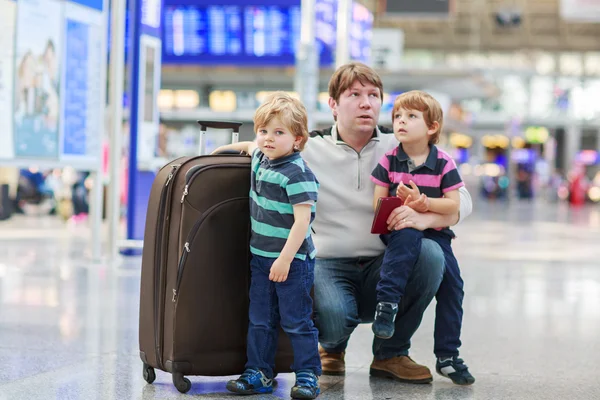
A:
(384, 207)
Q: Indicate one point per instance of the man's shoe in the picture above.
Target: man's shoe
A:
(402, 369)
(332, 363)
(385, 316)
(455, 369)
(307, 385)
(252, 381)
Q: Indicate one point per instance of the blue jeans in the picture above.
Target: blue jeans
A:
(346, 295)
(288, 303)
(401, 255)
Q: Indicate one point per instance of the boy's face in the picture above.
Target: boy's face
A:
(410, 127)
(276, 140)
(358, 108)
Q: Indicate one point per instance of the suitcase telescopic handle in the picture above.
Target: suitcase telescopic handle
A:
(220, 125)
(234, 126)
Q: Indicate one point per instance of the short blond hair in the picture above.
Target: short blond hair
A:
(347, 74)
(289, 110)
(425, 103)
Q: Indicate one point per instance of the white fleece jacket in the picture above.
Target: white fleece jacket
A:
(342, 226)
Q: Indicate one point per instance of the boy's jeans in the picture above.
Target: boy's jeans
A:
(345, 296)
(288, 303)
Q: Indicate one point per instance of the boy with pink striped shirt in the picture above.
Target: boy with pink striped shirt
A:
(427, 180)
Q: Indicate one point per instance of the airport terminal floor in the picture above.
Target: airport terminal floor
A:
(69, 328)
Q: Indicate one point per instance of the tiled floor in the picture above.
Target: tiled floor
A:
(68, 328)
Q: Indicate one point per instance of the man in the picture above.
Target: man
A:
(349, 256)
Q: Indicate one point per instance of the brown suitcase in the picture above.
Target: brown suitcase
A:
(195, 269)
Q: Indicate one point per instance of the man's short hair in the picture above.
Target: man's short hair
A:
(425, 103)
(345, 76)
(289, 110)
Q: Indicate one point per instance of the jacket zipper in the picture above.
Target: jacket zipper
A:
(359, 162)
(159, 262)
(190, 239)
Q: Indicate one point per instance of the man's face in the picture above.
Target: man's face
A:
(358, 108)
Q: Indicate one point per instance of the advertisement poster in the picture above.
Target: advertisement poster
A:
(82, 106)
(8, 14)
(37, 78)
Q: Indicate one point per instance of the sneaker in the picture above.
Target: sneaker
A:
(307, 385)
(455, 369)
(332, 363)
(252, 381)
(385, 315)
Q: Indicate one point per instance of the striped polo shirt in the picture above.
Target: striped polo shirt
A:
(438, 175)
(276, 186)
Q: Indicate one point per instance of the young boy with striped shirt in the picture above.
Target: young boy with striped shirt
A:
(427, 180)
(283, 196)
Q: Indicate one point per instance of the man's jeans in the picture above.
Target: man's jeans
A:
(346, 295)
(288, 303)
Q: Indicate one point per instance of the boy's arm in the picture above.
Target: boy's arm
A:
(281, 266)
(298, 232)
(448, 205)
(380, 191)
(247, 147)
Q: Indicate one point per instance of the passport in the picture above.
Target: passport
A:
(385, 206)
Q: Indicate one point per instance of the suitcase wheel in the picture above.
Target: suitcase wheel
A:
(181, 383)
(149, 374)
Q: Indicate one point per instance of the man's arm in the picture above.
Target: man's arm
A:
(406, 217)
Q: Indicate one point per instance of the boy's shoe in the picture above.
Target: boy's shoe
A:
(307, 385)
(252, 381)
(455, 369)
(385, 315)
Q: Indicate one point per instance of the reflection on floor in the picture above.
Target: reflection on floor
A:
(68, 327)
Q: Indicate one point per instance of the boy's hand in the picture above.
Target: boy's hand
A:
(404, 191)
(421, 204)
(279, 270)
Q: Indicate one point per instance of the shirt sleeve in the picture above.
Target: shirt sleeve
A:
(451, 179)
(466, 204)
(381, 173)
(256, 158)
(302, 188)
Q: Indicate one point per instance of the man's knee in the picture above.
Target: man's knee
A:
(335, 324)
(430, 264)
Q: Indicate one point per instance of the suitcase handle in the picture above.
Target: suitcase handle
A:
(220, 125)
(235, 134)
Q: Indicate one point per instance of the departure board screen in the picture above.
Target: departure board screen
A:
(265, 32)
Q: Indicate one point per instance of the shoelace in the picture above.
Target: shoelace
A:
(306, 379)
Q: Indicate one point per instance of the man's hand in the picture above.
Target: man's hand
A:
(405, 217)
(421, 204)
(404, 191)
(279, 270)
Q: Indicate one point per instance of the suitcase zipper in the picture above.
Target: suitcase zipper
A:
(190, 239)
(158, 262)
(191, 174)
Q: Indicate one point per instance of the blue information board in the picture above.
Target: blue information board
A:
(76, 89)
(265, 32)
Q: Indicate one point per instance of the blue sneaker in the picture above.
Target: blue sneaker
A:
(385, 316)
(455, 369)
(307, 385)
(252, 381)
